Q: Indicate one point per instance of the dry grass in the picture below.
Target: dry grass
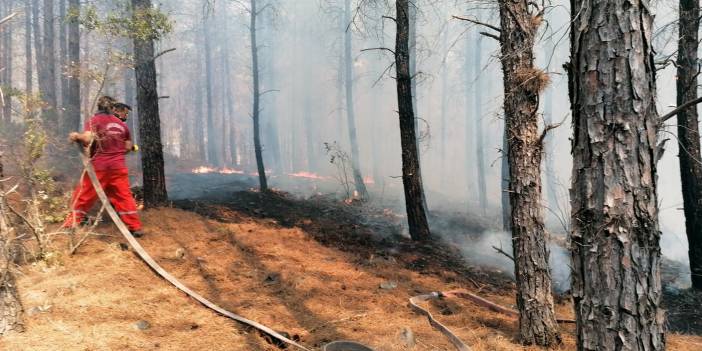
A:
(278, 276)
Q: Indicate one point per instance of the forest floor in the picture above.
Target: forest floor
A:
(318, 269)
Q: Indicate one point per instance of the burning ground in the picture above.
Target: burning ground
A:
(317, 268)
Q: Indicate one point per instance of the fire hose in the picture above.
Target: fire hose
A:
(457, 342)
(162, 272)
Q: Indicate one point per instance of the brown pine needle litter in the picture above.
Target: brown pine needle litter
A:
(279, 276)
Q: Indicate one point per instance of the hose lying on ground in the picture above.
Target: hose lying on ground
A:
(162, 272)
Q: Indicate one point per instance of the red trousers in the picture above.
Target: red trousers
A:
(115, 182)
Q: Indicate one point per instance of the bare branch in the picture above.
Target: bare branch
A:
(9, 17)
(499, 250)
(369, 49)
(673, 113)
(163, 53)
(493, 36)
(478, 23)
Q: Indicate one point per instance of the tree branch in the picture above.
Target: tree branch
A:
(677, 110)
(9, 17)
(499, 250)
(495, 28)
(493, 36)
(163, 53)
(369, 49)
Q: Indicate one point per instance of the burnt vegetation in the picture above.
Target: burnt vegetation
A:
(543, 154)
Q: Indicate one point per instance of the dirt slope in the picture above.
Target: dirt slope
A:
(279, 275)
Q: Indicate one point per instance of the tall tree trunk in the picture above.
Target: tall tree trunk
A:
(689, 135)
(350, 112)
(549, 144)
(256, 101)
(211, 138)
(130, 95)
(72, 92)
(199, 120)
(229, 97)
(478, 125)
(444, 91)
(154, 178)
(63, 55)
(7, 62)
(470, 84)
(29, 65)
(49, 63)
(412, 44)
(522, 85)
(416, 215)
(615, 236)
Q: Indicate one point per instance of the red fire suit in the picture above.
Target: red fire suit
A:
(108, 160)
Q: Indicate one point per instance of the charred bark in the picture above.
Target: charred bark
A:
(258, 148)
(350, 112)
(522, 84)
(689, 135)
(615, 236)
(412, 19)
(411, 178)
(154, 179)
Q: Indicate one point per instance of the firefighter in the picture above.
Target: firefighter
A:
(108, 139)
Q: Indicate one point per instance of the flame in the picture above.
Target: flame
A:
(308, 175)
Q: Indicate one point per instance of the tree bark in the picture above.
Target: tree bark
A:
(688, 134)
(615, 236)
(522, 85)
(413, 12)
(72, 92)
(154, 179)
(63, 53)
(350, 112)
(258, 149)
(411, 179)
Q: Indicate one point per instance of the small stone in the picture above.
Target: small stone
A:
(34, 310)
(388, 285)
(123, 247)
(142, 325)
(180, 253)
(407, 337)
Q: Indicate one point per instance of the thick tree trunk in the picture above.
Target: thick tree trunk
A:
(444, 92)
(350, 112)
(29, 65)
(258, 149)
(615, 236)
(689, 135)
(478, 126)
(154, 179)
(522, 85)
(412, 47)
(199, 120)
(72, 92)
(416, 215)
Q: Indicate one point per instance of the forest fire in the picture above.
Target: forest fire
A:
(308, 175)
